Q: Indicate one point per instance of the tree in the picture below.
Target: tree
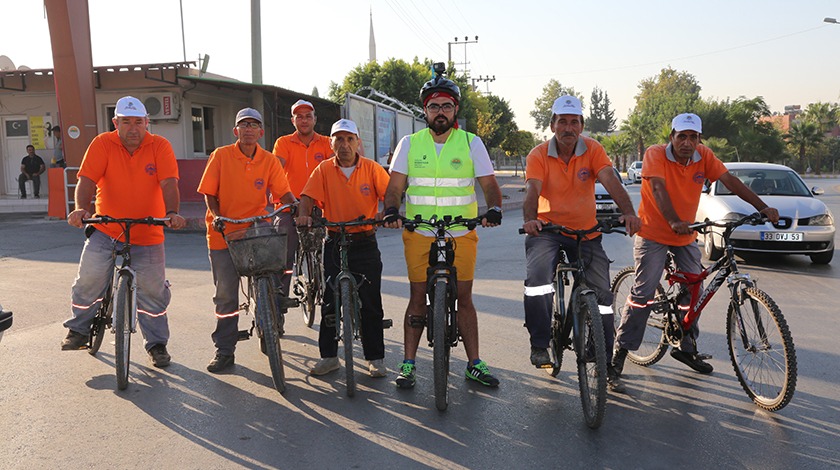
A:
(519, 143)
(803, 135)
(664, 96)
(542, 105)
(620, 147)
(601, 118)
(639, 128)
(315, 92)
(498, 110)
(824, 115)
(721, 148)
(395, 77)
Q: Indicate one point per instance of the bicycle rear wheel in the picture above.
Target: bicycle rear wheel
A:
(654, 345)
(441, 345)
(347, 308)
(307, 285)
(101, 320)
(761, 349)
(591, 359)
(122, 327)
(268, 322)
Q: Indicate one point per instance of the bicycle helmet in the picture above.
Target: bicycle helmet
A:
(440, 84)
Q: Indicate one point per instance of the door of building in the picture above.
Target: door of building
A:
(14, 137)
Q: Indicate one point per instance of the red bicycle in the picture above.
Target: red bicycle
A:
(760, 344)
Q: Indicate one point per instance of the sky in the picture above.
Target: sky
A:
(780, 50)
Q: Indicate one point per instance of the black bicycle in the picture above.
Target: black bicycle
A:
(259, 254)
(118, 309)
(441, 296)
(576, 324)
(308, 283)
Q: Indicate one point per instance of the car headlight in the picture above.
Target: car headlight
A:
(822, 219)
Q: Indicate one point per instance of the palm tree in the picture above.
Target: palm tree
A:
(640, 129)
(804, 135)
(824, 115)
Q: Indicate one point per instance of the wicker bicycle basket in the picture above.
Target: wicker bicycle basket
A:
(257, 250)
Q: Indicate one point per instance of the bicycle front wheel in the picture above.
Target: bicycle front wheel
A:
(654, 345)
(122, 328)
(559, 329)
(761, 349)
(440, 345)
(268, 321)
(591, 359)
(347, 307)
(308, 284)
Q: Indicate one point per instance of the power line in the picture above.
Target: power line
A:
(416, 29)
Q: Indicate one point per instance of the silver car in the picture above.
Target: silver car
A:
(806, 225)
(634, 172)
(605, 207)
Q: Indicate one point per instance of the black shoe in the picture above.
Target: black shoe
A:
(540, 358)
(23, 196)
(37, 197)
(159, 356)
(614, 382)
(692, 360)
(619, 356)
(220, 363)
(75, 341)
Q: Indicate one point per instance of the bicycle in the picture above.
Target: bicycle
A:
(308, 285)
(118, 309)
(759, 341)
(258, 253)
(441, 296)
(346, 303)
(576, 323)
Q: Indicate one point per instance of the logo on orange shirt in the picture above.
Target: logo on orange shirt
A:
(319, 157)
(259, 183)
(151, 169)
(365, 189)
(584, 174)
(699, 177)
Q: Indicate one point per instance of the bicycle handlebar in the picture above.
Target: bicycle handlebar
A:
(755, 218)
(442, 223)
(104, 219)
(250, 220)
(605, 226)
(323, 222)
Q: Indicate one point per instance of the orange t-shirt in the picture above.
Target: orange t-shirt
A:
(300, 159)
(568, 190)
(128, 186)
(346, 199)
(240, 183)
(684, 184)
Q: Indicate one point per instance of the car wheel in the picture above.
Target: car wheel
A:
(712, 252)
(822, 258)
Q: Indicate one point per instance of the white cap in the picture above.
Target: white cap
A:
(344, 125)
(567, 104)
(248, 113)
(300, 103)
(687, 122)
(129, 106)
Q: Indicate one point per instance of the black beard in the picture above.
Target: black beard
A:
(441, 127)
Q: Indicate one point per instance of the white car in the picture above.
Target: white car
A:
(605, 207)
(634, 172)
(806, 225)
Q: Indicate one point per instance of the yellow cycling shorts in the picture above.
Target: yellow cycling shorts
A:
(417, 249)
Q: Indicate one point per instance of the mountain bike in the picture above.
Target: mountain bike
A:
(576, 323)
(308, 283)
(759, 341)
(259, 254)
(441, 296)
(347, 307)
(118, 309)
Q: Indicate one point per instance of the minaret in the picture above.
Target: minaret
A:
(372, 45)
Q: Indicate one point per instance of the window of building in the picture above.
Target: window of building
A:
(204, 137)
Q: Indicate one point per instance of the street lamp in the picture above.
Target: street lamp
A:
(830, 20)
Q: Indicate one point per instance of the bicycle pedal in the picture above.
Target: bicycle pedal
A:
(387, 323)
(545, 366)
(244, 335)
(289, 302)
(704, 356)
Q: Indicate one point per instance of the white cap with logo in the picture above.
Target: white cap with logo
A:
(567, 104)
(687, 122)
(129, 106)
(302, 103)
(344, 125)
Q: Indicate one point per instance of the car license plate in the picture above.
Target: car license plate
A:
(604, 207)
(782, 236)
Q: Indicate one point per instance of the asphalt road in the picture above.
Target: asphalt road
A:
(62, 409)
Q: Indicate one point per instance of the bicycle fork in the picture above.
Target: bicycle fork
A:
(132, 297)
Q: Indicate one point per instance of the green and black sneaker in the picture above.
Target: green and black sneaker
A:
(481, 374)
(405, 379)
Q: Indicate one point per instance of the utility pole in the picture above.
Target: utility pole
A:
(464, 42)
(487, 79)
